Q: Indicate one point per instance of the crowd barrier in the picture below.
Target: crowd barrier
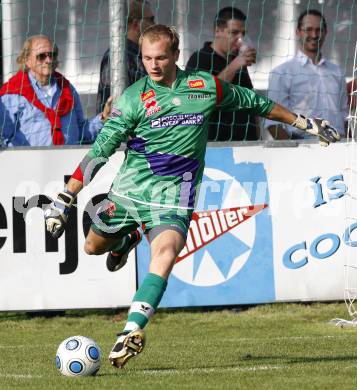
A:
(269, 226)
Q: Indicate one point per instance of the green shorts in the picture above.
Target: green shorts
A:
(120, 216)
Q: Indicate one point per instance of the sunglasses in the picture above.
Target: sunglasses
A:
(50, 54)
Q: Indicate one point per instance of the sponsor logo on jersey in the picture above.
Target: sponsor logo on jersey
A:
(151, 107)
(110, 209)
(147, 95)
(196, 83)
(198, 96)
(177, 120)
(207, 226)
(176, 101)
(115, 113)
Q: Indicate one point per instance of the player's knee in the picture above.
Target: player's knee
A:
(91, 249)
(166, 253)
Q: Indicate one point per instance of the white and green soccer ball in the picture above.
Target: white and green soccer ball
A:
(78, 356)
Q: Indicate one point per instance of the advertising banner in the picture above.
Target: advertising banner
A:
(314, 226)
(228, 256)
(36, 271)
(270, 225)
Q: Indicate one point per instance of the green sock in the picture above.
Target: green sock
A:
(145, 301)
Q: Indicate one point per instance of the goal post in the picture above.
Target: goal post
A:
(350, 265)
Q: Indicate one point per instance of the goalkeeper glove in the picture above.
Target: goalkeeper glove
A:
(56, 214)
(319, 127)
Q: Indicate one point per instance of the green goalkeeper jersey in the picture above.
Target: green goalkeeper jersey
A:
(166, 133)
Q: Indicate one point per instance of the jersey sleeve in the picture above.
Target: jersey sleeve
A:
(115, 131)
(235, 98)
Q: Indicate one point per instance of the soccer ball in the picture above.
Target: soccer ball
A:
(78, 356)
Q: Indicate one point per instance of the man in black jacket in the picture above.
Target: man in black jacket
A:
(227, 57)
(140, 17)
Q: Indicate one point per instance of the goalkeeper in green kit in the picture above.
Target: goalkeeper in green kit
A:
(163, 118)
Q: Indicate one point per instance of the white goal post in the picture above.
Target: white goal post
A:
(350, 265)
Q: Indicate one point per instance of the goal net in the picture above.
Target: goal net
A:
(350, 266)
(82, 31)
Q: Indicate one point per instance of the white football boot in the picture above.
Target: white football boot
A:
(127, 346)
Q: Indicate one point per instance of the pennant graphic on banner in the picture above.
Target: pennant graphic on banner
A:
(207, 226)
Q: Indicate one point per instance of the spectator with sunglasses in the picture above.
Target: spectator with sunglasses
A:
(140, 17)
(39, 106)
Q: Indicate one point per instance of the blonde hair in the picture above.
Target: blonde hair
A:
(157, 31)
(26, 49)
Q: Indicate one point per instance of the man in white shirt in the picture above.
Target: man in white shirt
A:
(308, 82)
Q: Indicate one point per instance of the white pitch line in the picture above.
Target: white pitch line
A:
(280, 338)
(20, 376)
(212, 369)
(304, 337)
(27, 346)
(238, 340)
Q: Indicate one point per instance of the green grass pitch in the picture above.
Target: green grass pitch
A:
(280, 346)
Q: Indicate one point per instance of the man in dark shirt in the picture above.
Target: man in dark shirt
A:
(140, 17)
(228, 57)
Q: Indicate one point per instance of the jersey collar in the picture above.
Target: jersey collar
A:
(179, 76)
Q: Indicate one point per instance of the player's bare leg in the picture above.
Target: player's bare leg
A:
(96, 244)
(118, 247)
(165, 248)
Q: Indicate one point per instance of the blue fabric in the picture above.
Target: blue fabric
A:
(22, 124)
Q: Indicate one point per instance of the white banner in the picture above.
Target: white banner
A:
(292, 247)
(307, 200)
(35, 274)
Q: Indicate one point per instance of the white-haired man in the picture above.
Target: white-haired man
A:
(39, 106)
